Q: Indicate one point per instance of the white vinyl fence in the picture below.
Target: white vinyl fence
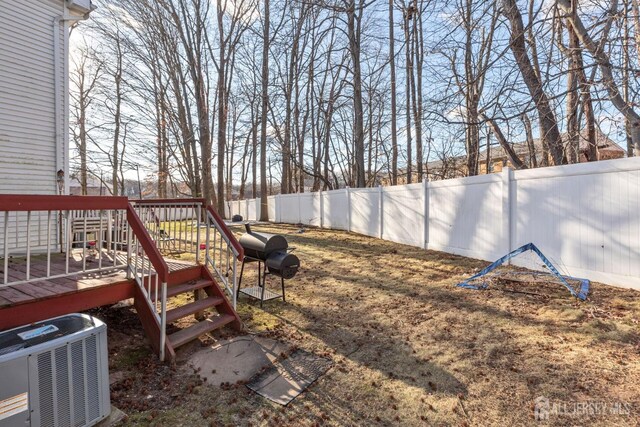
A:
(584, 217)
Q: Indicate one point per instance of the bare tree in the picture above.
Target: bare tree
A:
(546, 116)
(84, 77)
(264, 207)
(392, 71)
(606, 68)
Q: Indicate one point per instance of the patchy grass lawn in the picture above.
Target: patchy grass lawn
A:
(409, 348)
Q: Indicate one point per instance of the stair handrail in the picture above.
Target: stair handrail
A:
(238, 250)
(226, 268)
(159, 265)
(179, 201)
(158, 215)
(156, 258)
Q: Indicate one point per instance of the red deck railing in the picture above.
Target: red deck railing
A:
(33, 225)
(32, 202)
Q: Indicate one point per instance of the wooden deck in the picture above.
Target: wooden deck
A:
(36, 300)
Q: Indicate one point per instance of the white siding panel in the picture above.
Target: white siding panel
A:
(27, 113)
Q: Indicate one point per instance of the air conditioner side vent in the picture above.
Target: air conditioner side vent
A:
(63, 397)
(93, 391)
(45, 390)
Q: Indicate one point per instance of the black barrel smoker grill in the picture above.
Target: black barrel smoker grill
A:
(273, 255)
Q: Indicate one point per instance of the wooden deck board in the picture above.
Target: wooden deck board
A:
(41, 288)
(14, 295)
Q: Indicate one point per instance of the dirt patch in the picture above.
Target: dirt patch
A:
(407, 346)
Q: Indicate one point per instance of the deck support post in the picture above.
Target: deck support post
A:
(163, 321)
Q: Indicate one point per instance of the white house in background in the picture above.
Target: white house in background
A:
(34, 93)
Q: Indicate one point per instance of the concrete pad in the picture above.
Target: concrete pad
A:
(115, 417)
(237, 359)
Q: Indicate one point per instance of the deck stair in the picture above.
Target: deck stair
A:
(215, 308)
(210, 306)
(97, 251)
(207, 280)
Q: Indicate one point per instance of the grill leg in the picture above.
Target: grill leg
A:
(282, 282)
(259, 273)
(240, 279)
(264, 284)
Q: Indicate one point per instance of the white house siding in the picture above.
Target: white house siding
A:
(27, 110)
(28, 163)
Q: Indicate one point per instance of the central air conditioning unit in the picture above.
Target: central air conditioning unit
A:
(55, 373)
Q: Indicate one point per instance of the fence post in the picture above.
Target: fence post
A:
(278, 217)
(507, 175)
(380, 211)
(346, 189)
(321, 209)
(425, 223)
(299, 197)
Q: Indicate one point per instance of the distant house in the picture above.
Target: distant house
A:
(94, 186)
(497, 159)
(34, 101)
(456, 166)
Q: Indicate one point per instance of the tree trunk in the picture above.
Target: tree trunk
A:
(533, 153)
(254, 147)
(604, 63)
(416, 86)
(548, 123)
(264, 207)
(117, 122)
(392, 70)
(511, 154)
(409, 69)
(353, 29)
(572, 144)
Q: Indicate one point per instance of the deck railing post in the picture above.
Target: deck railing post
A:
(207, 236)
(48, 243)
(28, 245)
(198, 208)
(69, 236)
(235, 282)
(5, 253)
(163, 321)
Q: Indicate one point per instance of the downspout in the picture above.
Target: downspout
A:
(61, 135)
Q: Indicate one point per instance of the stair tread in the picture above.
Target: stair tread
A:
(182, 288)
(193, 307)
(183, 336)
